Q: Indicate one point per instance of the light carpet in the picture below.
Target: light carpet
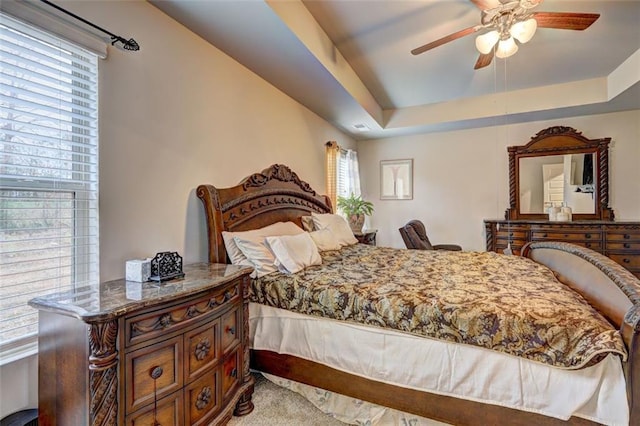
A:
(277, 406)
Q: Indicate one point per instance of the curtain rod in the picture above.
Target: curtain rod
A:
(130, 44)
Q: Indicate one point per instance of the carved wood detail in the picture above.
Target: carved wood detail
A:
(245, 405)
(169, 319)
(279, 172)
(556, 130)
(103, 373)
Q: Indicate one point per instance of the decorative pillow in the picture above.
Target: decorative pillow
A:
(307, 223)
(337, 225)
(258, 254)
(325, 240)
(294, 252)
(235, 254)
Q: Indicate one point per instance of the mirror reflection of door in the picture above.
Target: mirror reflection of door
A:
(553, 188)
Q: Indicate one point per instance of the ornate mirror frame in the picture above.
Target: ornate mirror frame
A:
(560, 140)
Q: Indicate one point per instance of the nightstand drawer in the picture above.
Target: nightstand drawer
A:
(230, 373)
(154, 324)
(367, 237)
(201, 349)
(230, 331)
(163, 361)
(169, 412)
(202, 399)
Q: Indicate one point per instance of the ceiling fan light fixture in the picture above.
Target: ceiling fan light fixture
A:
(506, 48)
(485, 42)
(523, 31)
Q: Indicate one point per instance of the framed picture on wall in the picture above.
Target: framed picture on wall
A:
(396, 179)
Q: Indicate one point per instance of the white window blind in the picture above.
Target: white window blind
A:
(342, 180)
(347, 176)
(48, 173)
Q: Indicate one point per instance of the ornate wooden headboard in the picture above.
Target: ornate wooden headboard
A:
(276, 194)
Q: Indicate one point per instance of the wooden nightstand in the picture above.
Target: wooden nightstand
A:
(367, 236)
(132, 353)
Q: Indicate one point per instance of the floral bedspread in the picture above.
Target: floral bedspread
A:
(504, 303)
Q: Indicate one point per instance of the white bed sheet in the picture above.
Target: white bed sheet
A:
(597, 393)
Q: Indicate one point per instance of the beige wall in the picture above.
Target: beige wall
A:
(176, 114)
(461, 177)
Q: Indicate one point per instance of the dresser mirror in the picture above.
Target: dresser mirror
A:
(559, 166)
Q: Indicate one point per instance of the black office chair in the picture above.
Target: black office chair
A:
(415, 237)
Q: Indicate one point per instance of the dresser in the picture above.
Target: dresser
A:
(128, 353)
(618, 240)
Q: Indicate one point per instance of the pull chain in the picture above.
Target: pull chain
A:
(155, 404)
(155, 373)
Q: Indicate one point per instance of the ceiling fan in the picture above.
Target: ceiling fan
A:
(510, 20)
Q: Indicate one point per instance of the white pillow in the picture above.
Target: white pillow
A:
(325, 240)
(235, 254)
(258, 254)
(294, 252)
(337, 225)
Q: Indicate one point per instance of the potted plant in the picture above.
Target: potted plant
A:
(355, 209)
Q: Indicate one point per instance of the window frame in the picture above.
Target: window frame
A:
(82, 185)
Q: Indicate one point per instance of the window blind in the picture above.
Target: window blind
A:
(48, 173)
(342, 178)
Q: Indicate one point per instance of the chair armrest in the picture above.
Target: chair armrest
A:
(450, 247)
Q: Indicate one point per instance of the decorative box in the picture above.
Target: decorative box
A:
(138, 270)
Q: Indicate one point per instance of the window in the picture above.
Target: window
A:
(343, 176)
(348, 176)
(48, 174)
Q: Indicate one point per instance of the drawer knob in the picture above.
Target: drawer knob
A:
(627, 245)
(627, 236)
(230, 330)
(588, 245)
(587, 236)
(544, 235)
(234, 373)
(204, 397)
(156, 372)
(626, 260)
(202, 349)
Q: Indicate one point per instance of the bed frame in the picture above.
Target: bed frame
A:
(278, 194)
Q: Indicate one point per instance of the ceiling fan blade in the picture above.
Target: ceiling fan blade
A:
(484, 60)
(565, 20)
(447, 39)
(486, 4)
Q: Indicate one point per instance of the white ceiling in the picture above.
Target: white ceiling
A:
(350, 61)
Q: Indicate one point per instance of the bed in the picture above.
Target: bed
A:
(277, 194)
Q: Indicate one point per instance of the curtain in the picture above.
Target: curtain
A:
(331, 153)
(343, 174)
